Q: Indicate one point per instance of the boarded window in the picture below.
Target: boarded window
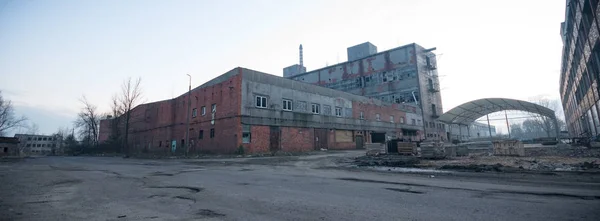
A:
(326, 109)
(343, 136)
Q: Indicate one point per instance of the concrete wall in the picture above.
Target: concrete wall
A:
(39, 144)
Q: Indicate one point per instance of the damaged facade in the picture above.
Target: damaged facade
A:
(266, 113)
(404, 75)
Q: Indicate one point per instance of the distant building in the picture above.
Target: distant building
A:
(39, 144)
(580, 71)
(9, 146)
(403, 75)
(265, 113)
(472, 131)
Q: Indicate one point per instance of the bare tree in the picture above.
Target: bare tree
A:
(33, 129)
(131, 95)
(87, 122)
(546, 123)
(8, 120)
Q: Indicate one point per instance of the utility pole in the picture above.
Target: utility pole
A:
(187, 131)
(489, 127)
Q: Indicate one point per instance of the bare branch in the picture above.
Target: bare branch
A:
(8, 120)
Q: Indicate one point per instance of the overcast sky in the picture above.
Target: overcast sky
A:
(53, 52)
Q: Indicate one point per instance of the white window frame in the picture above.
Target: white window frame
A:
(377, 117)
(315, 108)
(338, 111)
(391, 119)
(362, 115)
(214, 108)
(194, 112)
(289, 105)
(263, 101)
(203, 110)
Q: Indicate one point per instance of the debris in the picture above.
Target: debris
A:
(431, 176)
(121, 216)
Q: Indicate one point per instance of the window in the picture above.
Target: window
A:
(29, 138)
(212, 132)
(44, 138)
(327, 110)
(39, 145)
(194, 112)
(246, 134)
(391, 119)
(261, 102)
(28, 145)
(6, 150)
(431, 125)
(338, 111)
(287, 104)
(412, 121)
(362, 115)
(43, 145)
(203, 110)
(315, 108)
(201, 134)
(160, 143)
(401, 120)
(214, 108)
(377, 117)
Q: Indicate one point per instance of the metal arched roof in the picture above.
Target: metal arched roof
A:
(469, 112)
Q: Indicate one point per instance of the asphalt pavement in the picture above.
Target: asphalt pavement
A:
(315, 187)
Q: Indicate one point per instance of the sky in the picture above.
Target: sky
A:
(53, 52)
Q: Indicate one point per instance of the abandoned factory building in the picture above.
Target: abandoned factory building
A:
(264, 113)
(403, 75)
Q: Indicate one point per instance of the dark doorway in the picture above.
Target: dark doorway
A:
(377, 137)
(359, 142)
(275, 138)
(6, 150)
(320, 139)
(392, 146)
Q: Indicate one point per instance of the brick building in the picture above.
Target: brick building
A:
(265, 113)
(403, 75)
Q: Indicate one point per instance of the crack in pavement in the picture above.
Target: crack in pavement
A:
(189, 188)
(405, 190)
(492, 191)
(185, 198)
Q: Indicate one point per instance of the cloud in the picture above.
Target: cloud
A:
(47, 119)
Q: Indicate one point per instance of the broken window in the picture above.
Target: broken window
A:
(203, 110)
(391, 119)
(201, 134)
(287, 104)
(212, 132)
(362, 115)
(377, 117)
(214, 108)
(401, 120)
(194, 112)
(261, 101)
(246, 134)
(338, 111)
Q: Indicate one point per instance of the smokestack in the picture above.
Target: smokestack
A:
(301, 62)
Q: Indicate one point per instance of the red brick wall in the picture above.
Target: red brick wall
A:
(260, 141)
(155, 125)
(297, 139)
(370, 109)
(104, 130)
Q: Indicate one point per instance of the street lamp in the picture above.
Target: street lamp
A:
(187, 132)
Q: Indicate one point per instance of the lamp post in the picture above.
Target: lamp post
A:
(187, 131)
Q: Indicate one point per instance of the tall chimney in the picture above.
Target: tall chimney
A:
(301, 62)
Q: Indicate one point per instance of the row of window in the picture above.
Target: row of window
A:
(40, 145)
(200, 137)
(203, 110)
(287, 104)
(41, 138)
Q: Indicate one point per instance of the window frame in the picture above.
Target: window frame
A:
(263, 103)
(194, 112)
(203, 110)
(315, 108)
(338, 114)
(290, 104)
(212, 133)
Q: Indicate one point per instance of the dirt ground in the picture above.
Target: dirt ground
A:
(539, 158)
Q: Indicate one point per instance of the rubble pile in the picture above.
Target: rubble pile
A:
(386, 160)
